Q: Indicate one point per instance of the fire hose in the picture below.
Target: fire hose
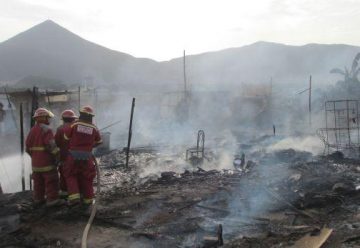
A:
(94, 207)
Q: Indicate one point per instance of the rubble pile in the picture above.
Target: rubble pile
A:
(144, 165)
(311, 199)
(283, 199)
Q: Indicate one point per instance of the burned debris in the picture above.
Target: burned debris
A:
(196, 155)
(230, 191)
(284, 199)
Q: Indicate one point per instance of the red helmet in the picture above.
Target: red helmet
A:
(43, 112)
(68, 113)
(87, 110)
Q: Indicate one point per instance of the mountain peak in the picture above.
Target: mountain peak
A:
(47, 26)
(48, 23)
(45, 31)
(49, 50)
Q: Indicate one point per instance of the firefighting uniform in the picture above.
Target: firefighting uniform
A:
(64, 150)
(41, 147)
(79, 167)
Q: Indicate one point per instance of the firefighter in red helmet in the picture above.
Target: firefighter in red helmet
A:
(79, 170)
(40, 145)
(68, 117)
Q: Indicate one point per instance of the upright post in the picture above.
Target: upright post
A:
(310, 101)
(348, 122)
(95, 99)
(30, 181)
(130, 132)
(274, 130)
(327, 130)
(357, 125)
(184, 64)
(34, 105)
(336, 128)
(271, 100)
(22, 147)
(79, 103)
(48, 99)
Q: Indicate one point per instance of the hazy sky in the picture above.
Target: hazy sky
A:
(162, 29)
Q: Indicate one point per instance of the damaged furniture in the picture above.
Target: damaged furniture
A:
(197, 154)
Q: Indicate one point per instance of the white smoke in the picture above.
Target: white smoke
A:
(10, 172)
(310, 144)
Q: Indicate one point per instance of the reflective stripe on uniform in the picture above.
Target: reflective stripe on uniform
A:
(43, 169)
(88, 200)
(74, 197)
(37, 148)
(63, 193)
(84, 124)
(55, 150)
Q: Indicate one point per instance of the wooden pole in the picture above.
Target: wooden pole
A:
(34, 106)
(79, 98)
(130, 133)
(48, 99)
(30, 181)
(95, 99)
(271, 102)
(310, 101)
(184, 64)
(22, 147)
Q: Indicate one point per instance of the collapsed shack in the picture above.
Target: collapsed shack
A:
(282, 199)
(30, 99)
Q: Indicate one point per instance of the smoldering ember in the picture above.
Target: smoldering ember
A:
(194, 153)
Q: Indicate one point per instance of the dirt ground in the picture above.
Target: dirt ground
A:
(276, 200)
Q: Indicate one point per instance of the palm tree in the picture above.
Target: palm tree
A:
(352, 75)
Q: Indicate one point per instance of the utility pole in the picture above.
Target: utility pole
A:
(95, 99)
(308, 89)
(34, 105)
(185, 83)
(310, 101)
(79, 97)
(271, 104)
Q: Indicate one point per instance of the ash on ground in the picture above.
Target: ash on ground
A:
(283, 198)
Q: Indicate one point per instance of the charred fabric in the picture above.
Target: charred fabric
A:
(283, 198)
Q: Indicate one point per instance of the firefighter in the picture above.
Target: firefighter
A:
(40, 145)
(79, 170)
(68, 116)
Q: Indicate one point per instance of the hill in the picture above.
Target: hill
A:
(261, 61)
(50, 51)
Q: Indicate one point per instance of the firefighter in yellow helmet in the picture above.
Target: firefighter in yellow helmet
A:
(40, 145)
(80, 169)
(68, 117)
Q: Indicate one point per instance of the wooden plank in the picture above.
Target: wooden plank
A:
(309, 241)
